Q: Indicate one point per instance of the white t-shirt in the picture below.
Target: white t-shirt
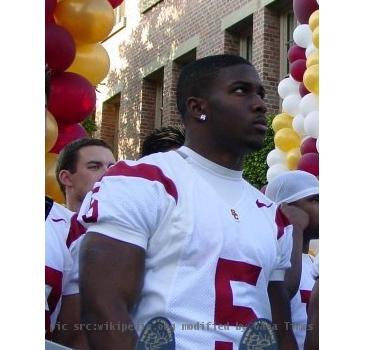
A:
(208, 261)
(299, 302)
(62, 238)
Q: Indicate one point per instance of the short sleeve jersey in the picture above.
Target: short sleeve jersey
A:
(63, 235)
(207, 264)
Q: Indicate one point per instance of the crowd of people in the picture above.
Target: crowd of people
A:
(177, 249)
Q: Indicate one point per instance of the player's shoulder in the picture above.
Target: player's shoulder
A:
(259, 199)
(59, 213)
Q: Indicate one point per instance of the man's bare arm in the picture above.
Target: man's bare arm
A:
(111, 278)
(281, 315)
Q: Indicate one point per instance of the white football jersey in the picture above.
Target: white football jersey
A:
(62, 231)
(207, 264)
(299, 302)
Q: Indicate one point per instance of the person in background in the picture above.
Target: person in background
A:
(163, 139)
(299, 190)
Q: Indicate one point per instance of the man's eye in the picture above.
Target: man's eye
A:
(93, 167)
(240, 90)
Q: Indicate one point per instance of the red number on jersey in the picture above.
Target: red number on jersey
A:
(305, 296)
(92, 214)
(225, 312)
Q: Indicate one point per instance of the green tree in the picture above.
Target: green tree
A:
(89, 125)
(255, 166)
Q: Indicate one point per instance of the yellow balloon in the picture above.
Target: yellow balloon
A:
(314, 20)
(311, 79)
(315, 37)
(91, 61)
(282, 120)
(52, 188)
(292, 158)
(286, 139)
(88, 21)
(51, 131)
(313, 58)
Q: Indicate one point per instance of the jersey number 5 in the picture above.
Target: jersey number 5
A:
(225, 312)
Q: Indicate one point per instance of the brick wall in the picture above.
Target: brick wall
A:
(163, 28)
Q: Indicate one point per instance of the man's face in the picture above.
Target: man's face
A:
(237, 110)
(310, 205)
(91, 165)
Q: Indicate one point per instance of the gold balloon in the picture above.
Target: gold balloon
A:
(91, 61)
(313, 58)
(292, 158)
(51, 131)
(286, 139)
(52, 188)
(314, 20)
(315, 37)
(88, 21)
(311, 79)
(282, 120)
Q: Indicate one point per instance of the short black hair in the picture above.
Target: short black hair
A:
(197, 77)
(68, 157)
(163, 139)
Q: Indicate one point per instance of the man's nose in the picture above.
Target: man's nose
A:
(259, 105)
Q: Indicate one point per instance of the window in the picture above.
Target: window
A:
(246, 47)
(288, 23)
(119, 14)
(110, 123)
(152, 102)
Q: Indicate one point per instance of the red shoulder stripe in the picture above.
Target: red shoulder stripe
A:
(145, 171)
(281, 222)
(76, 230)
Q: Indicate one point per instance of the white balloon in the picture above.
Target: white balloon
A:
(302, 35)
(275, 170)
(288, 86)
(291, 104)
(311, 124)
(308, 103)
(317, 145)
(298, 124)
(275, 157)
(310, 49)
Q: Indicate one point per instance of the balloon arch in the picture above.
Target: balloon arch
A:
(297, 127)
(78, 63)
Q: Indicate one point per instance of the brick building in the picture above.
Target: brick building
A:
(153, 39)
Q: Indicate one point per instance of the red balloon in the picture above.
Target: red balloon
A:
(296, 53)
(67, 134)
(303, 9)
(297, 69)
(50, 6)
(303, 90)
(309, 163)
(72, 98)
(60, 47)
(115, 3)
(309, 146)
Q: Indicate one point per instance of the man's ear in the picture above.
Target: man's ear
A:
(196, 106)
(65, 178)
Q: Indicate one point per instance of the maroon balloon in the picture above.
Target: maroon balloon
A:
(303, 90)
(72, 98)
(115, 3)
(303, 9)
(60, 47)
(296, 53)
(50, 6)
(309, 163)
(309, 146)
(67, 134)
(297, 69)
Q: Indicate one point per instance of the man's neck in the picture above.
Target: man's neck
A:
(223, 158)
(72, 205)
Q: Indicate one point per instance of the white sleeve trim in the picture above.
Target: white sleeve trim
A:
(277, 275)
(121, 234)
